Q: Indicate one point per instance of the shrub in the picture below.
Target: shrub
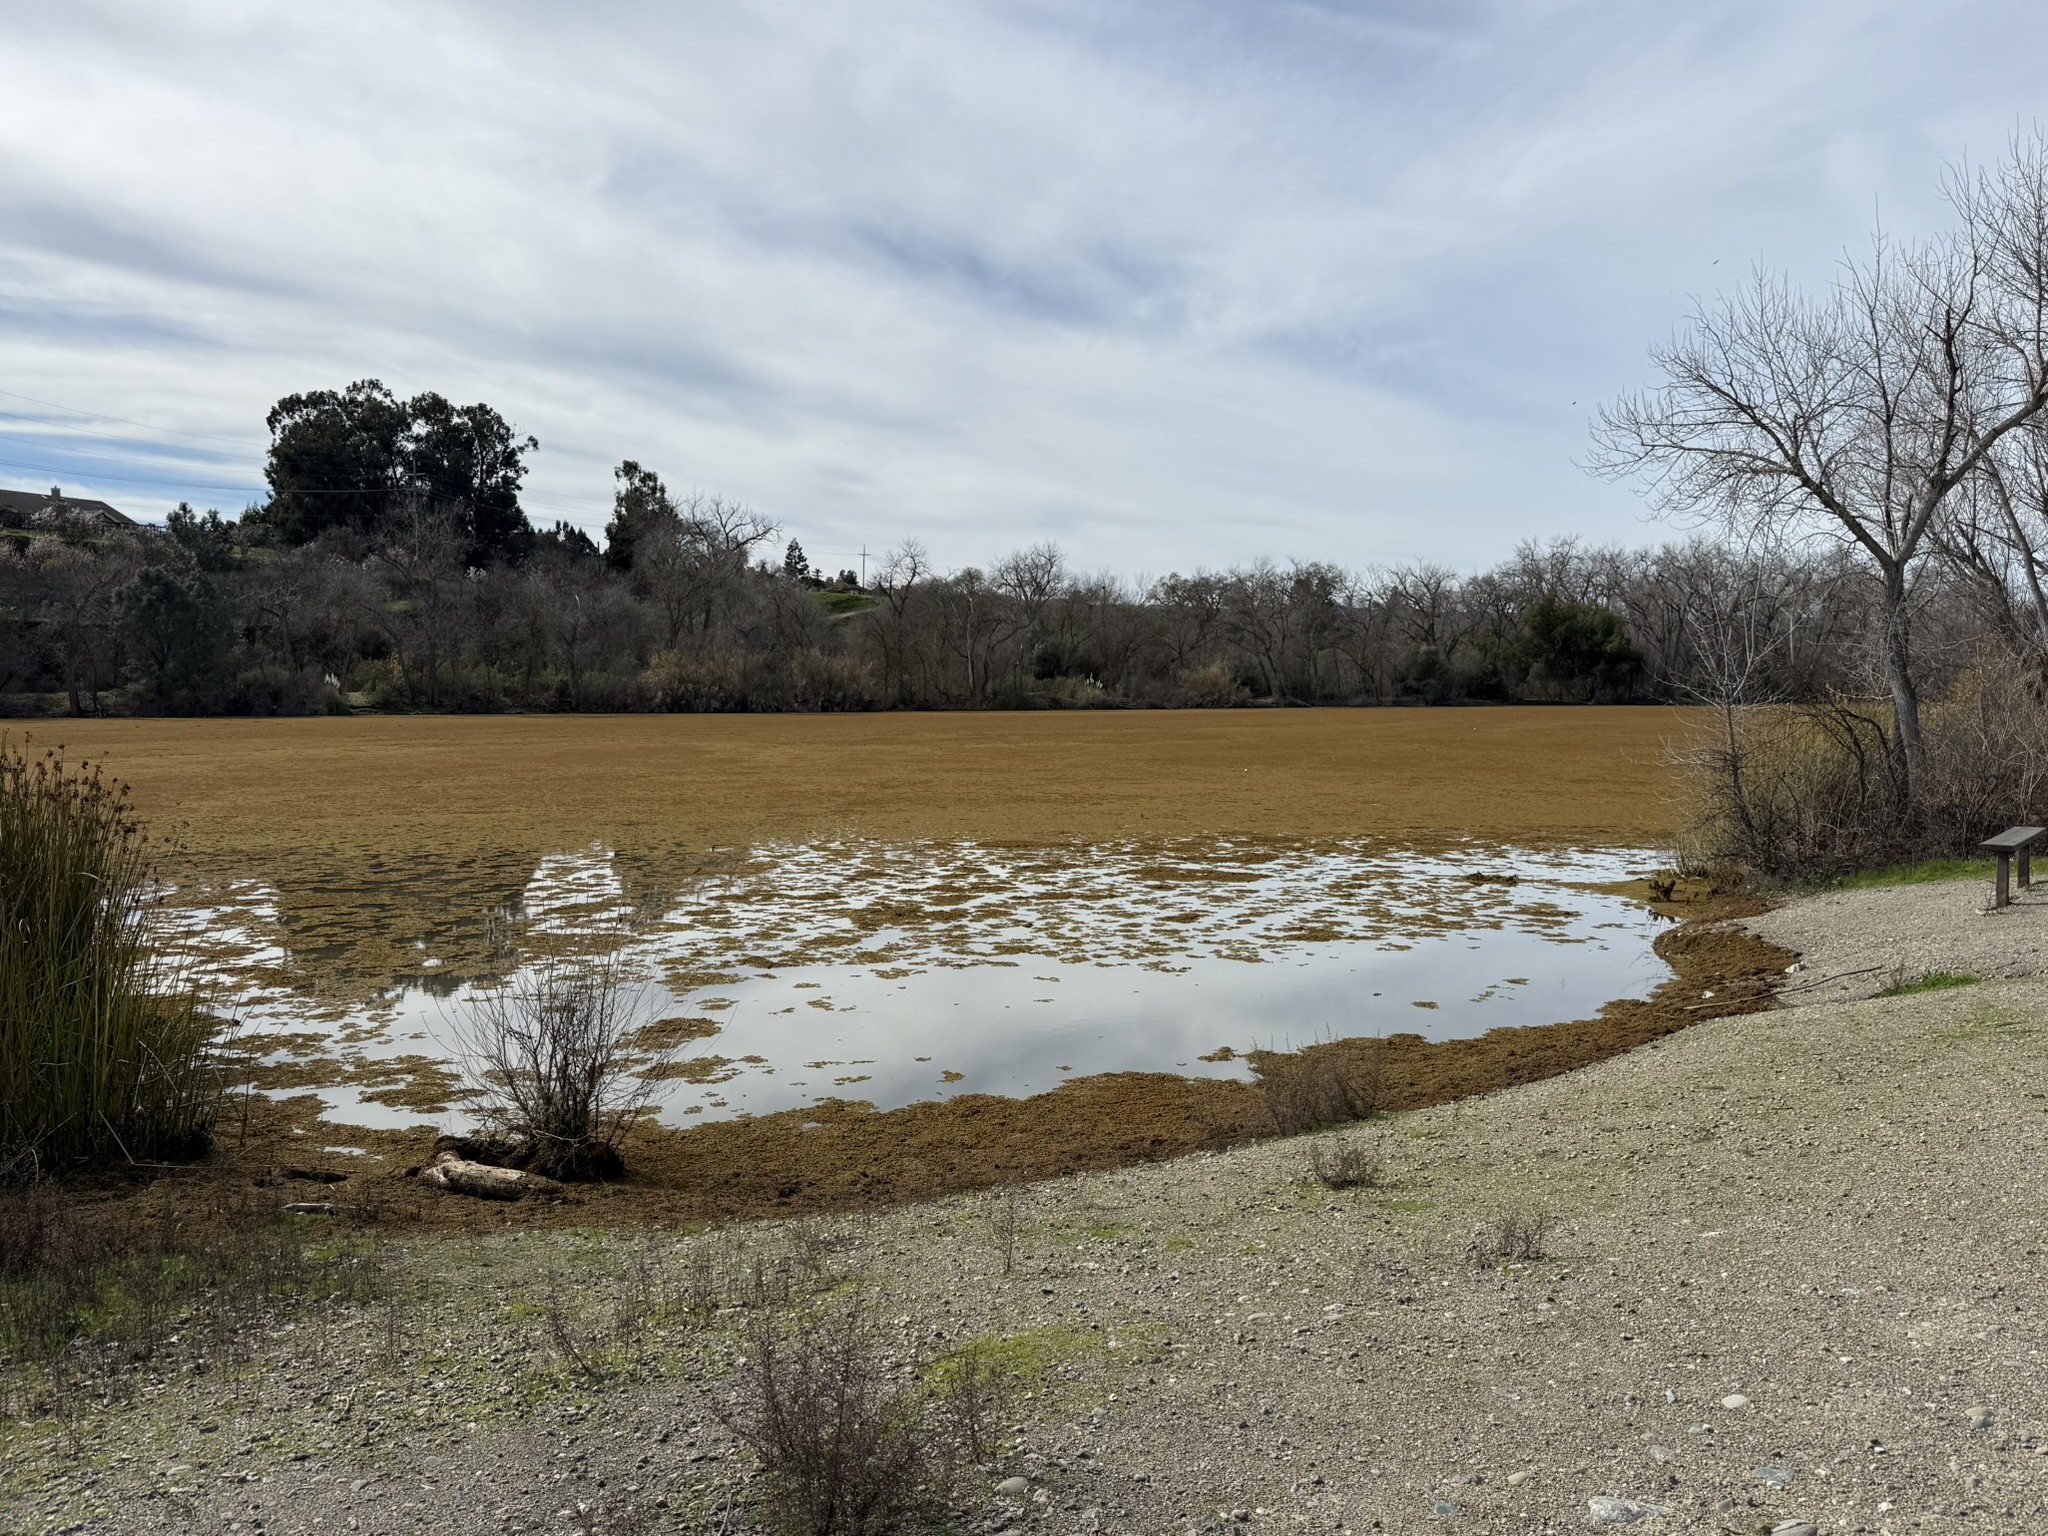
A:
(1340, 1164)
(845, 1442)
(1210, 686)
(1794, 792)
(1321, 1085)
(1513, 1237)
(102, 1056)
(557, 1060)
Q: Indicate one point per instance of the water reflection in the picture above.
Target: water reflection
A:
(897, 972)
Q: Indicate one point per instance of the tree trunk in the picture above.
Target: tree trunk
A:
(1910, 748)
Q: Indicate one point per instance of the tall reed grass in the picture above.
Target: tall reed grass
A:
(104, 1057)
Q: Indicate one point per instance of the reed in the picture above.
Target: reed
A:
(104, 1056)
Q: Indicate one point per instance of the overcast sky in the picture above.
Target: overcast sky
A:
(1173, 284)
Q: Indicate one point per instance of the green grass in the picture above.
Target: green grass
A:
(1932, 981)
(840, 604)
(1927, 873)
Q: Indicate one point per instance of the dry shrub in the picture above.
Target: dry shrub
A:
(1790, 792)
(1321, 1085)
(1341, 1164)
(1513, 1237)
(559, 1061)
(847, 1444)
(1210, 686)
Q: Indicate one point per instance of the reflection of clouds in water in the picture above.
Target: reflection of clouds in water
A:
(907, 971)
(578, 894)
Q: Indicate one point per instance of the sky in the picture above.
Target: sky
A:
(1175, 284)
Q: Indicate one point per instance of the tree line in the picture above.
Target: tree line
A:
(391, 570)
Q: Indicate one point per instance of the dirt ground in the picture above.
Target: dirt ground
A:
(388, 787)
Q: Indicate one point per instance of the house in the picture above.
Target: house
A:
(58, 513)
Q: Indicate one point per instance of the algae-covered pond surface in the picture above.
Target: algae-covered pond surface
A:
(892, 908)
(896, 972)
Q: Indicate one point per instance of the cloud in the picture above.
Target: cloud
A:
(1174, 285)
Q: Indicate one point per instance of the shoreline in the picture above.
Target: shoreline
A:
(1790, 1275)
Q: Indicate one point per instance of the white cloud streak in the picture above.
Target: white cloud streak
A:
(1174, 285)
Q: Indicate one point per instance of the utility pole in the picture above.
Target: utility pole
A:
(863, 563)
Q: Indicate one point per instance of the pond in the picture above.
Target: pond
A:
(891, 972)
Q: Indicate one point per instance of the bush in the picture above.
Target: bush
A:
(1796, 792)
(1321, 1085)
(102, 1056)
(559, 1061)
(1210, 686)
(1513, 1237)
(846, 1444)
(1340, 1164)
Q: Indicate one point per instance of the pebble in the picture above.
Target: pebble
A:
(1611, 1511)
(1516, 1479)
(1445, 1509)
(1982, 1418)
(1662, 1453)
(1733, 1401)
(1793, 1528)
(1014, 1487)
(1775, 1477)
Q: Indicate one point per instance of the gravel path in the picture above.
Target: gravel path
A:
(1856, 944)
(1796, 1275)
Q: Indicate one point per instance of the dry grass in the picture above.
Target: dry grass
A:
(1515, 1236)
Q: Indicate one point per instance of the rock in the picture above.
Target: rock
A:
(1013, 1487)
(1734, 1401)
(312, 1208)
(1982, 1418)
(459, 1176)
(1662, 1453)
(1604, 1510)
(1444, 1509)
(1775, 1477)
(1793, 1528)
(1516, 1479)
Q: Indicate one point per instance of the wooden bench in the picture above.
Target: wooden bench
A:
(2013, 843)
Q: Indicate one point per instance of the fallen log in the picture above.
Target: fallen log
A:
(483, 1181)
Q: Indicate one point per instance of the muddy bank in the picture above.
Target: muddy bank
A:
(845, 1156)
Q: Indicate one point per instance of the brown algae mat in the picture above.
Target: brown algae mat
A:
(390, 787)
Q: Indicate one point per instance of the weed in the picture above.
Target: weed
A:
(1003, 1210)
(1338, 1163)
(87, 1291)
(846, 1445)
(1905, 985)
(1514, 1237)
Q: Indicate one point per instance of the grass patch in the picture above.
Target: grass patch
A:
(1928, 872)
(839, 604)
(1931, 981)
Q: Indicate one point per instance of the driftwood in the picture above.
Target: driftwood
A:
(460, 1176)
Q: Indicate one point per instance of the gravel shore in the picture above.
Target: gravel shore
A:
(1856, 944)
(1793, 1279)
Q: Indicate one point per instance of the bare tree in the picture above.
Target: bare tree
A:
(1860, 412)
